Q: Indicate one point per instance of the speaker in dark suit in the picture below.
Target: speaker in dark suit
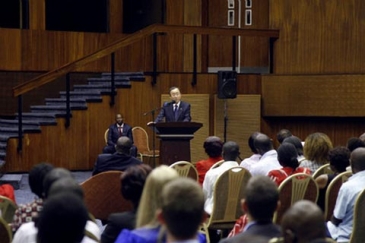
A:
(227, 84)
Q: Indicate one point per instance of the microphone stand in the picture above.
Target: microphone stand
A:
(153, 133)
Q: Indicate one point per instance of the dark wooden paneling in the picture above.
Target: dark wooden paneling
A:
(37, 15)
(319, 36)
(311, 95)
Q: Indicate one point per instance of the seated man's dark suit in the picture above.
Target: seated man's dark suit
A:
(263, 229)
(113, 135)
(116, 223)
(167, 112)
(116, 161)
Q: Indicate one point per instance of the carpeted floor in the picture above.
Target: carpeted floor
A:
(24, 195)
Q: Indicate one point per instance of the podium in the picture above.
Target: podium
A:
(175, 140)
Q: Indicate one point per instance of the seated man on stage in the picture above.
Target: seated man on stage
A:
(117, 130)
(174, 111)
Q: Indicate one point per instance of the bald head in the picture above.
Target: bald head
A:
(263, 143)
(231, 151)
(124, 145)
(303, 222)
(357, 160)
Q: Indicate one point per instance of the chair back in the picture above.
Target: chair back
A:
(324, 169)
(7, 209)
(358, 230)
(294, 188)
(6, 235)
(332, 193)
(140, 138)
(185, 169)
(217, 164)
(106, 136)
(229, 189)
(103, 196)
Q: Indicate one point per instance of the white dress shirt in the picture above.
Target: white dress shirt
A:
(268, 162)
(248, 162)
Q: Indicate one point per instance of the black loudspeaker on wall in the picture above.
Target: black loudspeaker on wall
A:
(227, 84)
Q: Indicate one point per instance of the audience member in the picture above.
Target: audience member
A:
(148, 229)
(288, 159)
(132, 183)
(62, 219)
(339, 158)
(316, 148)
(341, 224)
(117, 130)
(362, 137)
(213, 148)
(282, 134)
(259, 204)
(182, 210)
(120, 160)
(304, 223)
(298, 144)
(354, 143)
(255, 157)
(26, 212)
(230, 153)
(57, 182)
(174, 111)
(269, 157)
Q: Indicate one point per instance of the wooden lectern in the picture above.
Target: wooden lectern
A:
(175, 140)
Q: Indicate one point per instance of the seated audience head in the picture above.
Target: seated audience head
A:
(339, 158)
(362, 137)
(231, 151)
(124, 145)
(263, 143)
(52, 176)
(282, 134)
(303, 222)
(296, 142)
(62, 219)
(354, 143)
(182, 208)
(213, 146)
(288, 155)
(261, 200)
(316, 147)
(357, 160)
(119, 119)
(66, 184)
(251, 142)
(151, 195)
(36, 177)
(132, 182)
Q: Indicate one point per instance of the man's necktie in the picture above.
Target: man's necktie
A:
(176, 112)
(120, 131)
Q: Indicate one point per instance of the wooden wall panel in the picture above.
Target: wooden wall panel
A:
(11, 49)
(243, 118)
(115, 16)
(318, 36)
(37, 14)
(311, 95)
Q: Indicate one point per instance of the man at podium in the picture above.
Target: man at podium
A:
(174, 111)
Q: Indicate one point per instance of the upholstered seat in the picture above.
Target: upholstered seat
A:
(185, 169)
(140, 138)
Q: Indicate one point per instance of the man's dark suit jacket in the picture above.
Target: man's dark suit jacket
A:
(167, 112)
(116, 161)
(263, 230)
(113, 133)
(116, 223)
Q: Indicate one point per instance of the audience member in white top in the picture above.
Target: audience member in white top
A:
(269, 157)
(230, 154)
(248, 162)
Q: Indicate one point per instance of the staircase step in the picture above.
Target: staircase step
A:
(14, 130)
(89, 96)
(11, 123)
(42, 118)
(4, 138)
(135, 76)
(3, 145)
(100, 87)
(2, 163)
(108, 78)
(59, 101)
(2, 155)
(56, 108)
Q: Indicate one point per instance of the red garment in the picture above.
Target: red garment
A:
(7, 190)
(279, 175)
(203, 166)
(238, 226)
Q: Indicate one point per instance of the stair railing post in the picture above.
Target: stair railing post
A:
(234, 52)
(112, 79)
(20, 124)
(154, 56)
(68, 109)
(194, 81)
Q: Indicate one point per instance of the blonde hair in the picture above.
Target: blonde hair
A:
(151, 195)
(316, 147)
